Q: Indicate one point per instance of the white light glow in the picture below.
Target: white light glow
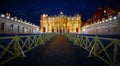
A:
(12, 18)
(103, 21)
(2, 15)
(44, 15)
(26, 29)
(84, 30)
(106, 20)
(15, 19)
(114, 17)
(110, 19)
(104, 11)
(8, 17)
(72, 18)
(18, 20)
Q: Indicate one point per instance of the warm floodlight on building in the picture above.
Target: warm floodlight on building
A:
(103, 21)
(44, 15)
(84, 30)
(106, 20)
(7, 17)
(15, 19)
(100, 22)
(72, 18)
(110, 19)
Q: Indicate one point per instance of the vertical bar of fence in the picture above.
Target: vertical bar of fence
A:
(115, 53)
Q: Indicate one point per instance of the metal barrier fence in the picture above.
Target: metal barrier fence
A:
(16, 46)
(106, 49)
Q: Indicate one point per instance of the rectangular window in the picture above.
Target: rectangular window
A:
(2, 26)
(23, 29)
(18, 28)
(11, 27)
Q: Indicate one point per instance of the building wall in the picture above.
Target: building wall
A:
(15, 26)
(102, 12)
(107, 26)
(60, 23)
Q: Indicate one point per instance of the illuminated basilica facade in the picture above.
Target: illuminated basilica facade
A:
(60, 23)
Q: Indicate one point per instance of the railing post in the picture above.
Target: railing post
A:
(115, 53)
(95, 47)
(17, 48)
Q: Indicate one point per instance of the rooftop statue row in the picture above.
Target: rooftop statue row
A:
(8, 17)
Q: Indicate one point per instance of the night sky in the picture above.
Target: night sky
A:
(31, 10)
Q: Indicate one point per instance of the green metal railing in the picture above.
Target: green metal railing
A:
(16, 46)
(106, 49)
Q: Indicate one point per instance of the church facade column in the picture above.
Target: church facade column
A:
(46, 27)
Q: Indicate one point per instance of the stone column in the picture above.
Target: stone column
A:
(50, 28)
(46, 27)
(58, 28)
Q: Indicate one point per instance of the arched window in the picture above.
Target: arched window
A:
(44, 30)
(77, 30)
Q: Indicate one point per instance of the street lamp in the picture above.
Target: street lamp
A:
(8, 17)
(12, 18)
(110, 19)
(18, 20)
(106, 20)
(2, 15)
(114, 17)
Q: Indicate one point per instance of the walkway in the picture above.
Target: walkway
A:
(57, 52)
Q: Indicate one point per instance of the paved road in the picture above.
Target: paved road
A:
(57, 52)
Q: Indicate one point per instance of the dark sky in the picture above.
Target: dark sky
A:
(31, 10)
